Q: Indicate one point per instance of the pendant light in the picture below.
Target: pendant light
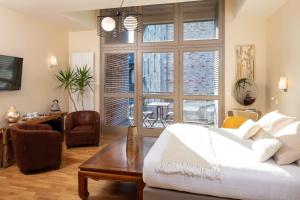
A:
(108, 24)
(130, 23)
(123, 20)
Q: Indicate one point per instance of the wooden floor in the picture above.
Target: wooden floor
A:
(62, 184)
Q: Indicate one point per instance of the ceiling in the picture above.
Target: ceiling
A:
(81, 14)
(72, 14)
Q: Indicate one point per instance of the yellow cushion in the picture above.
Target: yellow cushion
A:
(233, 122)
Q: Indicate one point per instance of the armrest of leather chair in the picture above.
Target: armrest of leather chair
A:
(96, 122)
(69, 123)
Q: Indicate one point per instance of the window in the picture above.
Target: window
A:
(158, 113)
(169, 72)
(201, 72)
(158, 32)
(204, 112)
(126, 37)
(119, 111)
(158, 72)
(200, 20)
(199, 30)
(119, 73)
(119, 70)
(158, 23)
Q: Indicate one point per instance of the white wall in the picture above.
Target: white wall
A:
(283, 58)
(26, 37)
(243, 31)
(88, 41)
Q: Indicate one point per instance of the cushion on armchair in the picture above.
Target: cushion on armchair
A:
(82, 128)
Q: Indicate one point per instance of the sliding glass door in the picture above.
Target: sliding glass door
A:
(157, 90)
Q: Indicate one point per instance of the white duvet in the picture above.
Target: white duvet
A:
(242, 176)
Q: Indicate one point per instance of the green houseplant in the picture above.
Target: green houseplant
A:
(77, 80)
(67, 81)
(83, 82)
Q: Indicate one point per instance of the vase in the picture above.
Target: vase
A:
(132, 144)
(12, 116)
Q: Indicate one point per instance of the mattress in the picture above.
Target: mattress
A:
(151, 193)
(242, 176)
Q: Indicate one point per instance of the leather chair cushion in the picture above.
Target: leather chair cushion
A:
(83, 128)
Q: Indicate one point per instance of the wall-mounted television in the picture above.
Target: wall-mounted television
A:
(10, 72)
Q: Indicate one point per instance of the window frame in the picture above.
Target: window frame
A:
(219, 97)
(178, 46)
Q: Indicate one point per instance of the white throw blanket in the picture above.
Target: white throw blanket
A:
(189, 152)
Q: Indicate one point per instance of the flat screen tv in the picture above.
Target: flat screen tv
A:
(10, 73)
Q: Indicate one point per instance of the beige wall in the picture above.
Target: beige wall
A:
(26, 37)
(88, 41)
(283, 58)
(243, 31)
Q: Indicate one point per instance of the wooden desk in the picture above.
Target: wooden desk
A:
(6, 149)
(113, 163)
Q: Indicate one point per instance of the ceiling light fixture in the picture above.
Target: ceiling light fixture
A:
(130, 23)
(108, 24)
(123, 20)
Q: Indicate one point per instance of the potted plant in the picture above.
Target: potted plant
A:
(83, 82)
(67, 81)
(77, 80)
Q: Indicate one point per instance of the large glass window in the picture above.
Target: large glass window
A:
(158, 32)
(158, 72)
(200, 20)
(119, 73)
(126, 37)
(158, 113)
(204, 112)
(158, 23)
(201, 72)
(119, 111)
(170, 72)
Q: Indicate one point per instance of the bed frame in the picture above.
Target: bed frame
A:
(151, 193)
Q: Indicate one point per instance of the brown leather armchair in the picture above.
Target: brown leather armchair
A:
(82, 128)
(36, 147)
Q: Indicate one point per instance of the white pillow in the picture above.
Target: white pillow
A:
(274, 121)
(289, 136)
(248, 129)
(265, 148)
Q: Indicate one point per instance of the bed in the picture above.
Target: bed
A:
(241, 175)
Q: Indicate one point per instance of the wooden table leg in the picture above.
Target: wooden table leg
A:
(82, 186)
(139, 189)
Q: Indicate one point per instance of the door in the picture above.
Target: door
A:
(158, 90)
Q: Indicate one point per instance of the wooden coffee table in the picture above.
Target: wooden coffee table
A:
(113, 163)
